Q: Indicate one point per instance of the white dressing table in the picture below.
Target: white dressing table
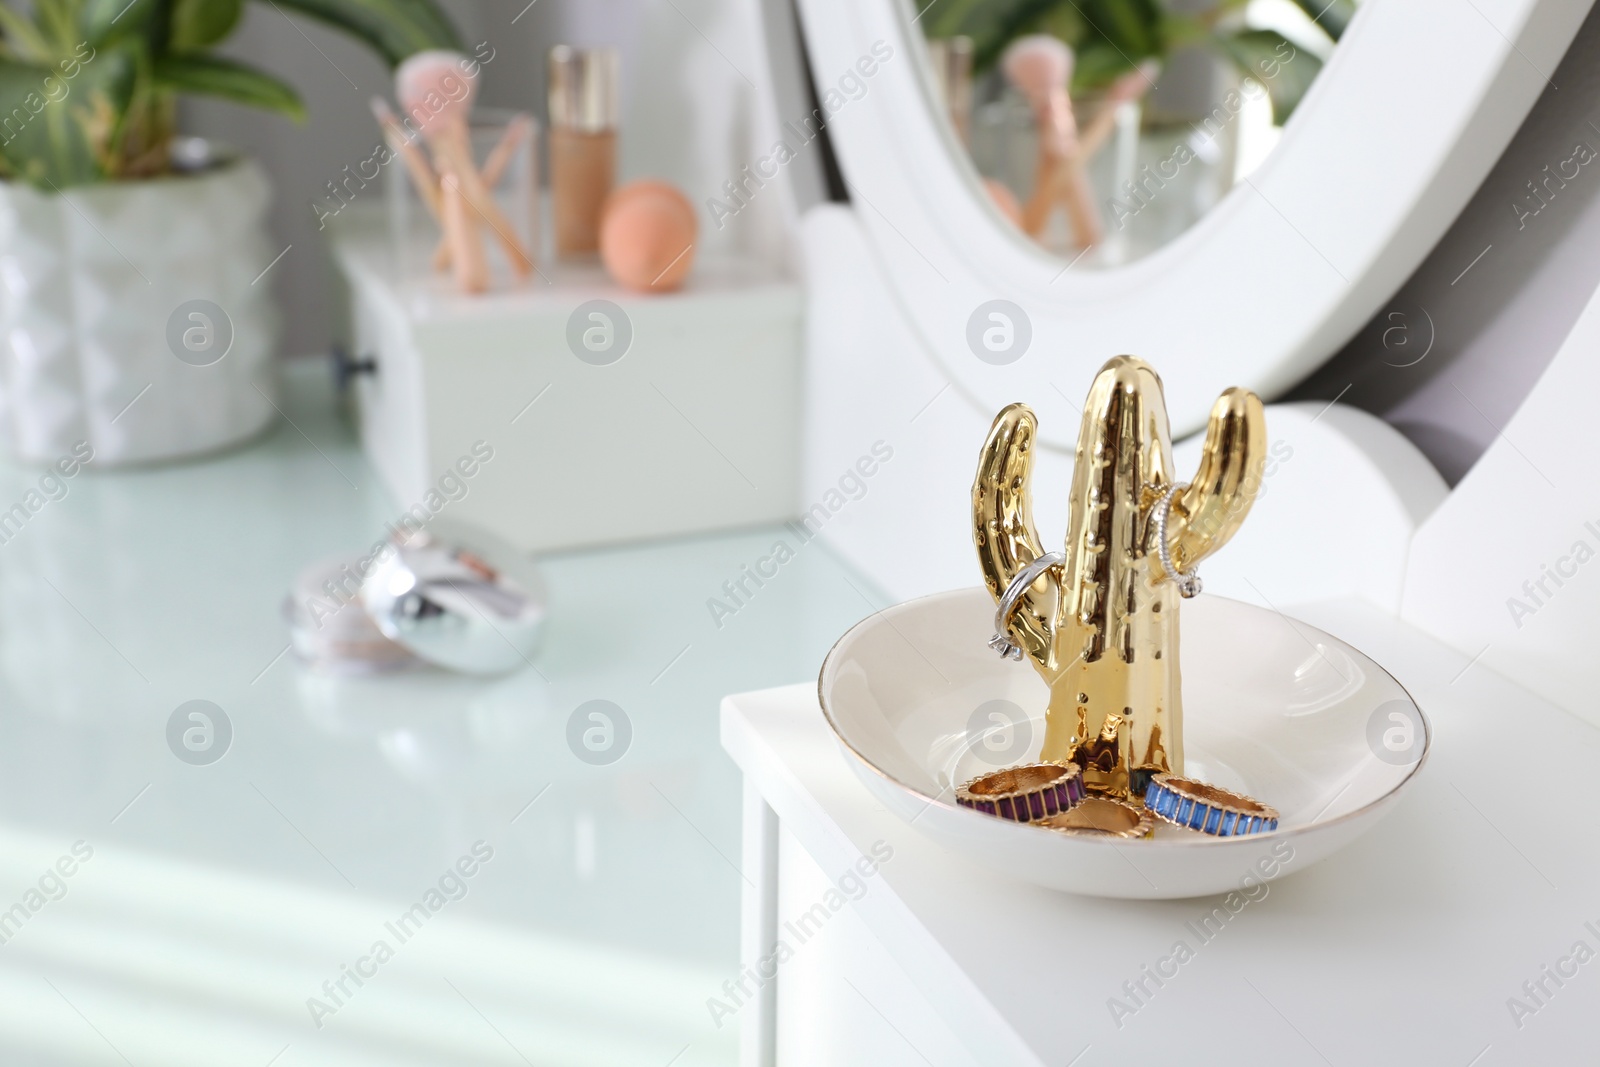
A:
(1404, 948)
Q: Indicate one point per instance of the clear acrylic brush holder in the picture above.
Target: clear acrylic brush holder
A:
(510, 170)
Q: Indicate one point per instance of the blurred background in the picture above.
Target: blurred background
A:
(1523, 293)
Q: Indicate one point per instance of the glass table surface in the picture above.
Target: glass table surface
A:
(403, 870)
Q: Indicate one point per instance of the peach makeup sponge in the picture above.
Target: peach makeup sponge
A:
(647, 234)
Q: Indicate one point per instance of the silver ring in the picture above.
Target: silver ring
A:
(1189, 585)
(1001, 641)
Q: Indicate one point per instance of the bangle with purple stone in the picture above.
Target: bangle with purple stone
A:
(1207, 808)
(1028, 793)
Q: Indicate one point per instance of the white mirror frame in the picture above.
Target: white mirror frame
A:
(1416, 104)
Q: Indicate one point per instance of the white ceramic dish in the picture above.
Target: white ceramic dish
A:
(1275, 709)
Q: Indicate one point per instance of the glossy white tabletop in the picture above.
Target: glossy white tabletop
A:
(217, 900)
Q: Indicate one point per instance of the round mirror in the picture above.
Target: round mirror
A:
(1103, 129)
(1247, 268)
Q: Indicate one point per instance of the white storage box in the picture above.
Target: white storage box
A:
(581, 424)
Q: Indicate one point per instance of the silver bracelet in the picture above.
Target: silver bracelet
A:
(1189, 584)
(1001, 641)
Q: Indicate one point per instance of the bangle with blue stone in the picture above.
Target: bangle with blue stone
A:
(1207, 808)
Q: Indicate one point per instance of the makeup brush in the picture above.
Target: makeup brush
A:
(517, 131)
(1125, 89)
(436, 93)
(1004, 199)
(417, 165)
(494, 168)
(421, 172)
(463, 237)
(1039, 67)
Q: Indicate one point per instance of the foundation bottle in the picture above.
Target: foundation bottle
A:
(583, 144)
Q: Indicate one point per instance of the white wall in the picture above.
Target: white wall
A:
(1497, 326)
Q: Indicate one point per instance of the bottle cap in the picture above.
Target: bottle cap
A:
(583, 89)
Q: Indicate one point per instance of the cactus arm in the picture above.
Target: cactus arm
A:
(1208, 513)
(1003, 529)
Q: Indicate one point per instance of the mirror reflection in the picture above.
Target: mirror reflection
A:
(1103, 129)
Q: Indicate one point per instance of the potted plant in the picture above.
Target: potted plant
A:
(129, 317)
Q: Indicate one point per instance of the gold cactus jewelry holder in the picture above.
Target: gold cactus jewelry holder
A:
(1100, 621)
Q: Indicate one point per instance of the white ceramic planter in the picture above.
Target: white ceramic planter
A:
(100, 287)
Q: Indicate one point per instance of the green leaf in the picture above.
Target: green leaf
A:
(1099, 64)
(1180, 31)
(109, 20)
(56, 131)
(396, 29)
(24, 40)
(230, 80)
(993, 24)
(58, 21)
(1133, 27)
(948, 18)
(1274, 61)
(1065, 22)
(1332, 15)
(198, 24)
